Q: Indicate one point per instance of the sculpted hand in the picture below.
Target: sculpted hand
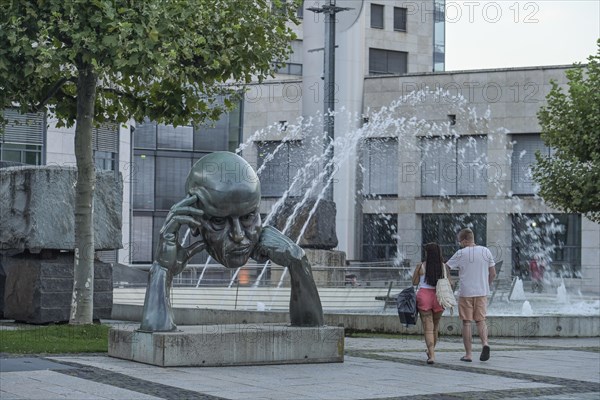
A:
(171, 259)
(170, 253)
(275, 246)
(305, 304)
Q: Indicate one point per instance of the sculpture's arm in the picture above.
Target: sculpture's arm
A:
(305, 304)
(171, 259)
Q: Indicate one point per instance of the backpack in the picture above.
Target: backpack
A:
(407, 306)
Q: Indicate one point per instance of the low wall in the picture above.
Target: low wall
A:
(520, 328)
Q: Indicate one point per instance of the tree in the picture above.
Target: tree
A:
(87, 62)
(570, 178)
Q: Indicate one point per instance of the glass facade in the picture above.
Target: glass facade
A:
(454, 166)
(523, 158)
(379, 237)
(439, 36)
(554, 240)
(162, 158)
(443, 228)
(278, 164)
(380, 167)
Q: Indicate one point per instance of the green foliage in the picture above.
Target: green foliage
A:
(164, 59)
(55, 339)
(570, 179)
(93, 61)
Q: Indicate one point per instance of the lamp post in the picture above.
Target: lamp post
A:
(330, 9)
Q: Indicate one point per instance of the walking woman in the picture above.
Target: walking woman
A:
(426, 276)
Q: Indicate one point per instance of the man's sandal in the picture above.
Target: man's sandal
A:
(485, 353)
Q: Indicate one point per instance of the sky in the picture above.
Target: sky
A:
(511, 33)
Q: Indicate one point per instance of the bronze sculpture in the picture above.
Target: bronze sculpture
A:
(221, 208)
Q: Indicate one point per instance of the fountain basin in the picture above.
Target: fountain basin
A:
(518, 327)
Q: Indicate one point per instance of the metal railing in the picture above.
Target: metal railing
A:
(357, 274)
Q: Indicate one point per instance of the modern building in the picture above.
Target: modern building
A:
(439, 149)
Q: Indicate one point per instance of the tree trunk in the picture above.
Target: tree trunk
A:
(82, 302)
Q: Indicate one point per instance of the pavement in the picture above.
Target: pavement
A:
(374, 368)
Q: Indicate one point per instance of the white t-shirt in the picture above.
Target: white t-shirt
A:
(473, 263)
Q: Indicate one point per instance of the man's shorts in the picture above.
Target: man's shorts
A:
(472, 308)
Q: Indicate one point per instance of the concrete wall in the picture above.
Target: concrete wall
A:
(417, 40)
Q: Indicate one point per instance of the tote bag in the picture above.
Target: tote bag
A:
(444, 293)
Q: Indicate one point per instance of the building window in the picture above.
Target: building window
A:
(105, 142)
(144, 136)
(377, 16)
(379, 237)
(443, 228)
(554, 240)
(300, 11)
(278, 163)
(21, 153)
(221, 135)
(439, 36)
(523, 158)
(289, 69)
(141, 239)
(380, 167)
(400, 19)
(143, 182)
(387, 62)
(454, 166)
(293, 64)
(171, 173)
(105, 160)
(176, 138)
(22, 138)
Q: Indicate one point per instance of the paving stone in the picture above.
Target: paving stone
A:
(383, 369)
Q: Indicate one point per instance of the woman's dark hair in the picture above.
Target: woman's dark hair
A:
(433, 263)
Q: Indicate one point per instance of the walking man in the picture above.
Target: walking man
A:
(476, 272)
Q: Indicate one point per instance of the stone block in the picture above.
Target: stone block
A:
(320, 231)
(228, 345)
(320, 260)
(39, 290)
(37, 209)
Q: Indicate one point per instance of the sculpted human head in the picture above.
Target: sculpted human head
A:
(228, 190)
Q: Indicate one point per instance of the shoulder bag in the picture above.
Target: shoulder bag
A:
(444, 293)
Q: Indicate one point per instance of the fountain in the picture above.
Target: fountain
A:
(526, 310)
(561, 294)
(531, 314)
(518, 293)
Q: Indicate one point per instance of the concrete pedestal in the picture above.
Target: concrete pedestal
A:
(227, 345)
